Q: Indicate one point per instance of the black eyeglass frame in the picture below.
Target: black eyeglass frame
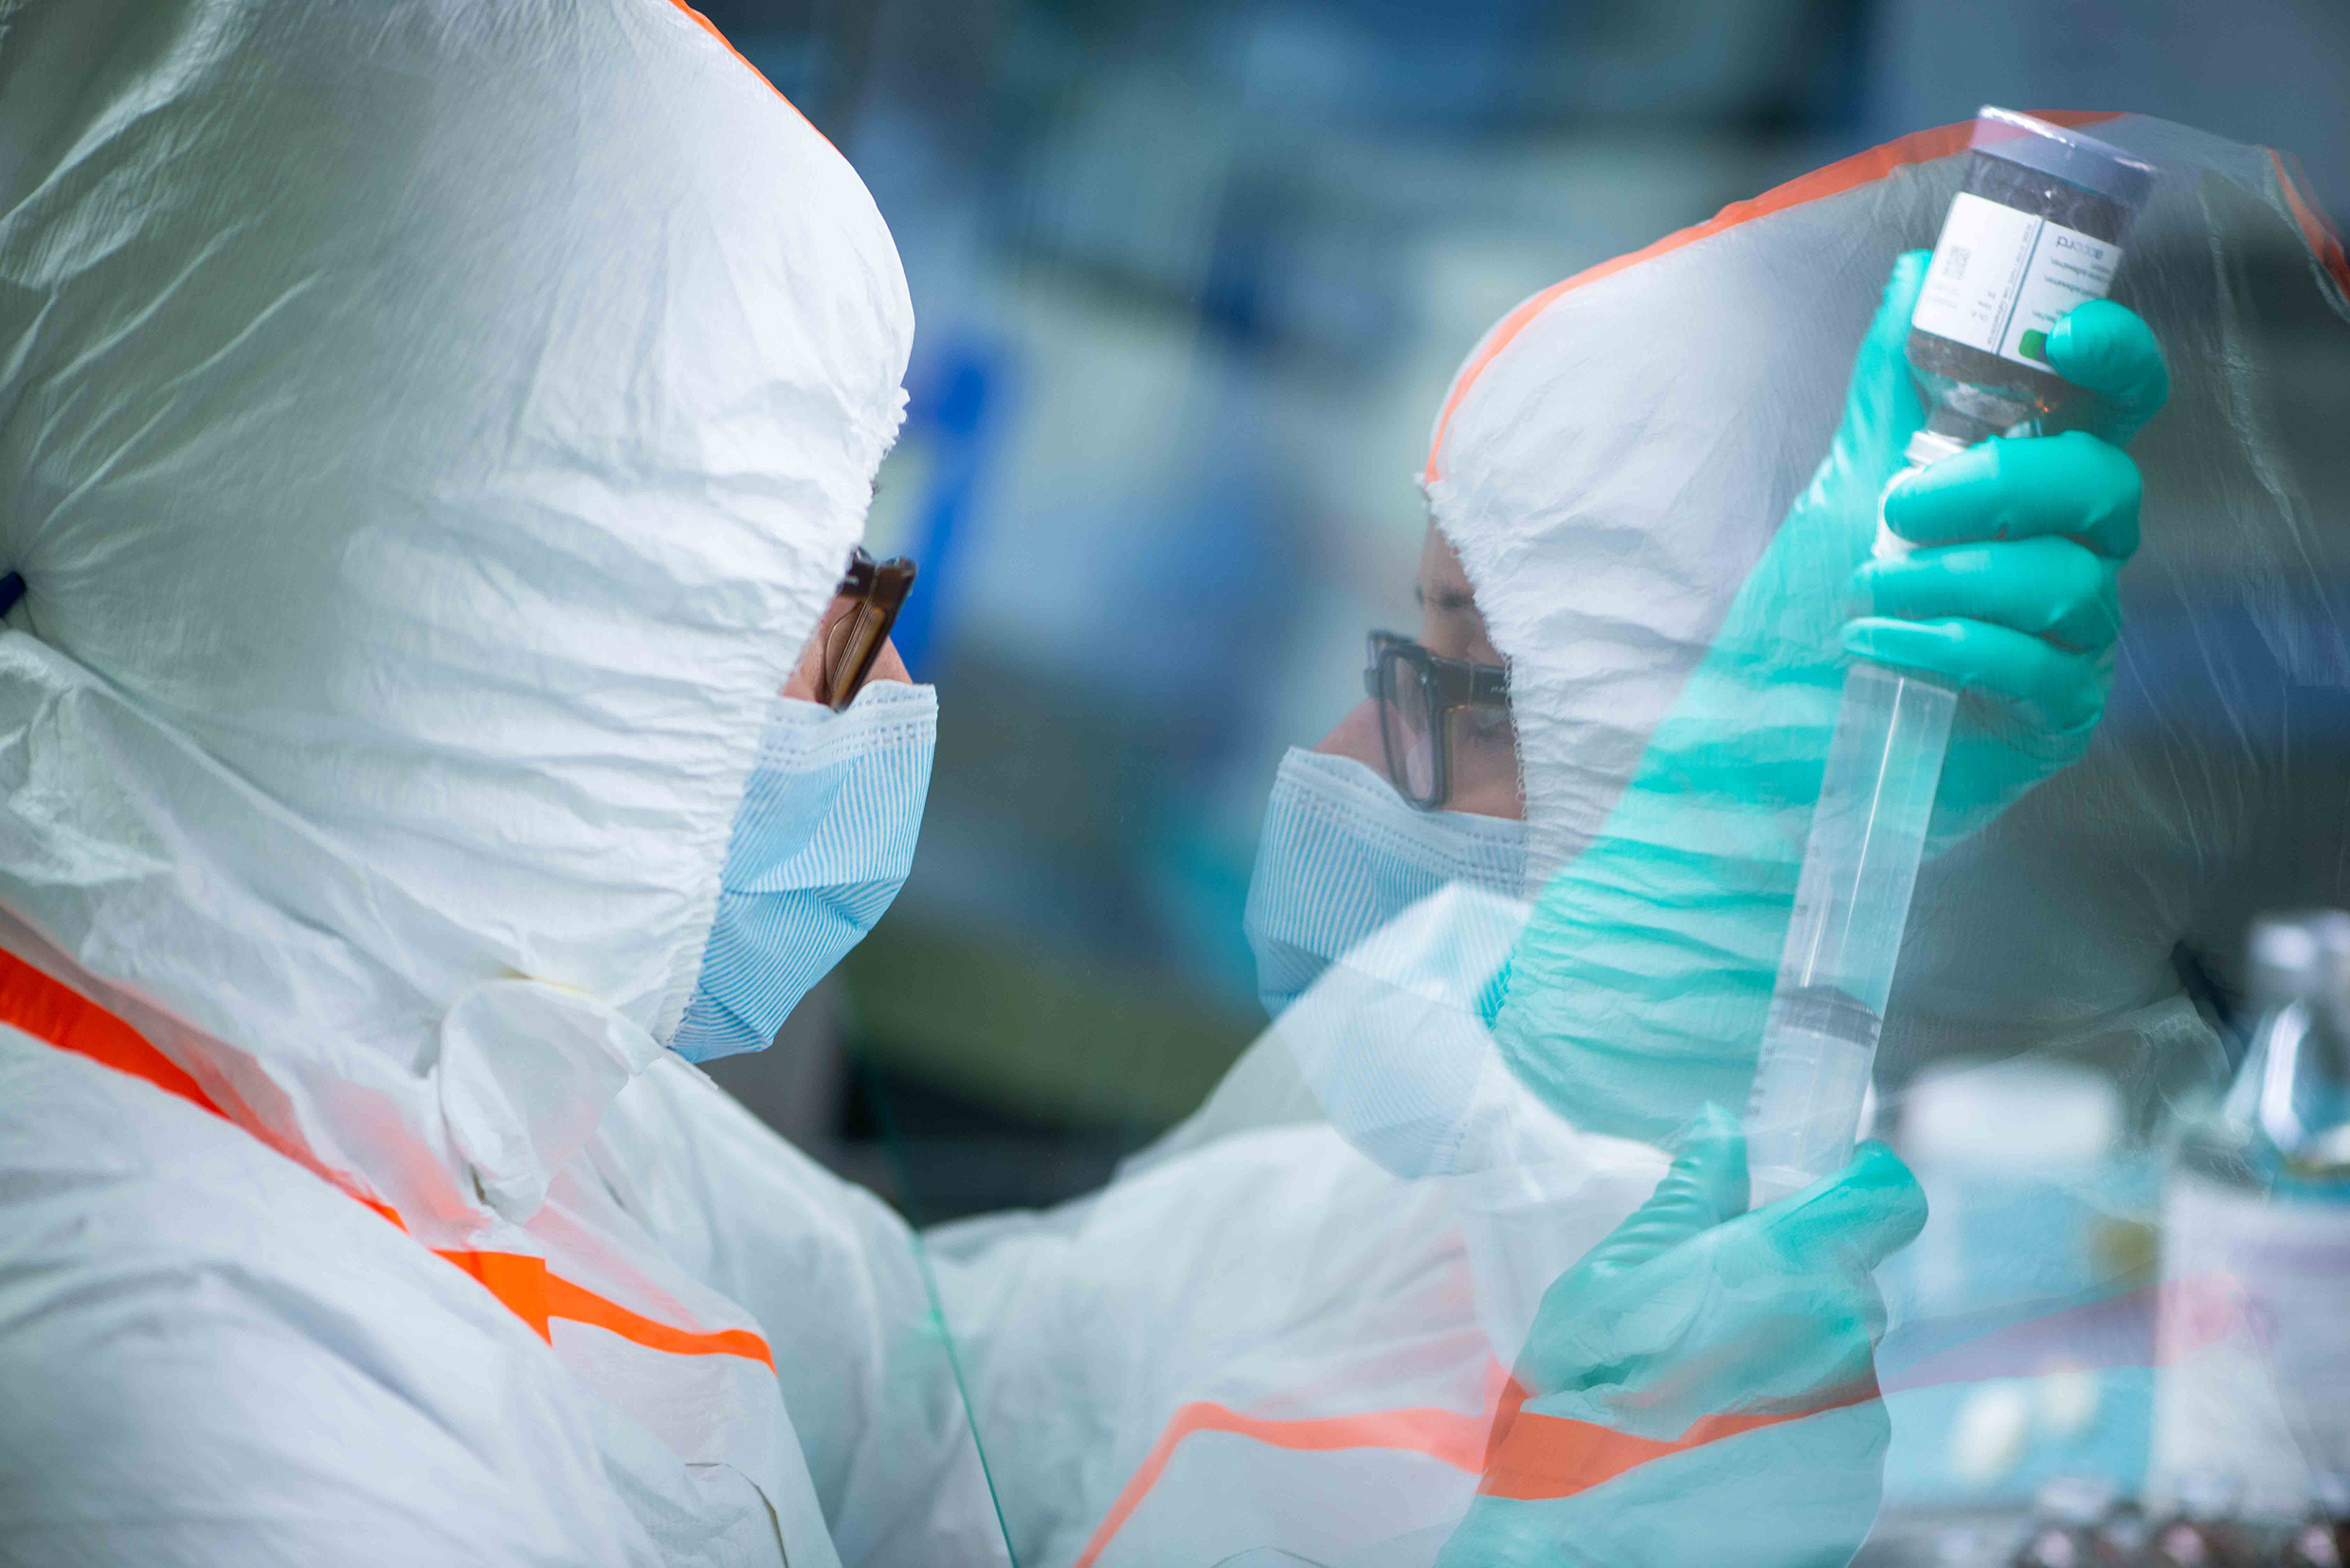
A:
(1450, 683)
(854, 641)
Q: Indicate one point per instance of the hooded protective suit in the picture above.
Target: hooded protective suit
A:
(1334, 1380)
(429, 432)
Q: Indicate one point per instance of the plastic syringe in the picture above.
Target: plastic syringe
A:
(1851, 902)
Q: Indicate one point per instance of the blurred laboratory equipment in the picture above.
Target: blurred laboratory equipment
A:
(2034, 231)
(2253, 1338)
(2079, 1524)
(2064, 1524)
(2040, 1206)
(2121, 1537)
(2322, 1539)
(2203, 1530)
(2028, 1170)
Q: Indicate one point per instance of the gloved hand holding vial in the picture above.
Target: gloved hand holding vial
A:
(1645, 977)
(2029, 247)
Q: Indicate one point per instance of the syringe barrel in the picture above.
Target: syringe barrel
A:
(1851, 903)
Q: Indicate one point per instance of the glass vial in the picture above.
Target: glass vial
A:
(2036, 230)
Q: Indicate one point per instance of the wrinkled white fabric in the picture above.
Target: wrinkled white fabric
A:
(1164, 1373)
(1389, 1039)
(412, 538)
(833, 1277)
(428, 432)
(213, 1357)
(526, 1071)
(1261, 1337)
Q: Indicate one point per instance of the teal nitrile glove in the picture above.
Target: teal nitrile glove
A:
(2011, 591)
(1701, 1387)
(1639, 987)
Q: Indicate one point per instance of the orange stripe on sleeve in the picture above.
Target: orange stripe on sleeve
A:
(2314, 226)
(1523, 1454)
(1543, 1457)
(575, 1304)
(516, 1279)
(51, 1011)
(48, 1010)
(1445, 1435)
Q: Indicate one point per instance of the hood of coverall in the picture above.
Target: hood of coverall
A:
(1615, 453)
(431, 431)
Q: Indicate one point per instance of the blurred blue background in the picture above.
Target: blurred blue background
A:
(1191, 281)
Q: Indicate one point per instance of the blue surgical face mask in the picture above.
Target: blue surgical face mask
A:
(822, 843)
(1341, 855)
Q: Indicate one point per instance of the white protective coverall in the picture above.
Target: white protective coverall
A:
(1328, 1343)
(430, 430)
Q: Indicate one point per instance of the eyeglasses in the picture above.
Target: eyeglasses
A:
(877, 590)
(1437, 715)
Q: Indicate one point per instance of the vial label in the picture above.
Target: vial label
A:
(2251, 1340)
(2002, 278)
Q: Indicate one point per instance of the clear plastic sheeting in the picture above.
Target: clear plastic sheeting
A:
(1457, 1264)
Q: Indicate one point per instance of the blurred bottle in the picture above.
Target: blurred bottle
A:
(2021, 1162)
(2253, 1336)
(2322, 1539)
(2123, 1539)
(1967, 1543)
(2198, 1533)
(2064, 1524)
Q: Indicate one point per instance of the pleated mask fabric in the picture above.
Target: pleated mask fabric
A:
(823, 841)
(1341, 855)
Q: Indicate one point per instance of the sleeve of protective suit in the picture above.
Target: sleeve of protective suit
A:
(251, 1409)
(1056, 1323)
(1078, 1336)
(1270, 1272)
(1700, 1387)
(1643, 979)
